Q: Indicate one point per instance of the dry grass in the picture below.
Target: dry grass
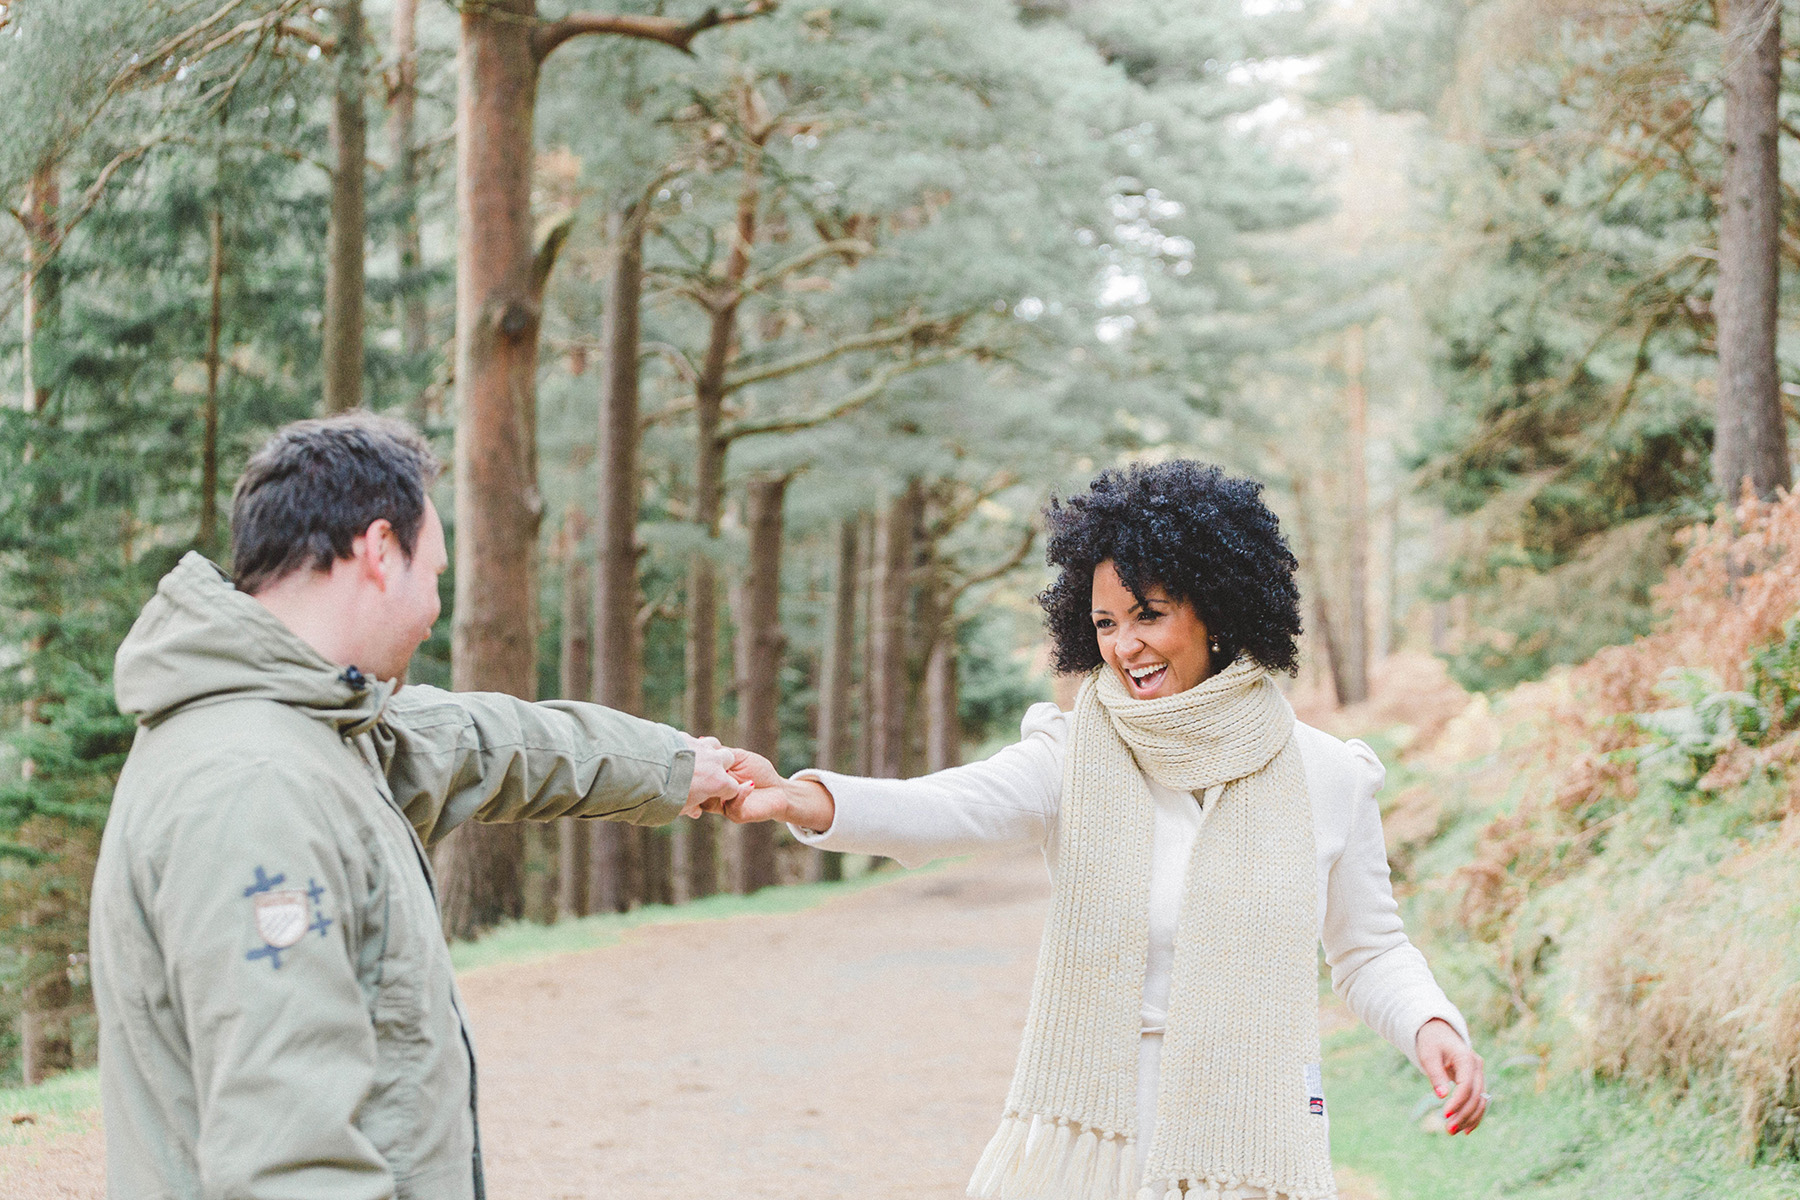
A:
(1612, 919)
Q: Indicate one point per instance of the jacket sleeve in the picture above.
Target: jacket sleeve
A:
(1007, 800)
(1375, 968)
(249, 901)
(453, 756)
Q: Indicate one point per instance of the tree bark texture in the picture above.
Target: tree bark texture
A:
(887, 654)
(46, 1045)
(1750, 435)
(618, 647)
(709, 454)
(402, 136)
(1313, 574)
(42, 280)
(348, 223)
(1355, 633)
(761, 646)
(698, 864)
(577, 683)
(868, 582)
(499, 297)
(837, 660)
(209, 413)
(494, 632)
(943, 733)
(836, 671)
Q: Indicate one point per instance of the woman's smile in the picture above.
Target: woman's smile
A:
(1157, 646)
(1144, 680)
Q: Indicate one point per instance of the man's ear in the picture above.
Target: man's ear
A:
(373, 550)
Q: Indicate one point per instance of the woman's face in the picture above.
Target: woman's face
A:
(1158, 647)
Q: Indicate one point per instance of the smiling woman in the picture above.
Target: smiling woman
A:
(1202, 843)
(1184, 531)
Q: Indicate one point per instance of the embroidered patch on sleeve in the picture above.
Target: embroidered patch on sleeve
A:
(284, 915)
(1315, 1090)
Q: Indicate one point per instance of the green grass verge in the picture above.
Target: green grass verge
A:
(67, 1104)
(522, 941)
(1566, 1142)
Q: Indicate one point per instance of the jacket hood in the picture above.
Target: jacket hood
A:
(201, 641)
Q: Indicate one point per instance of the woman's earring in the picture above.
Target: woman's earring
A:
(1215, 645)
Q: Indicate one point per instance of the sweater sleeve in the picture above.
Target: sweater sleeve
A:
(1007, 800)
(1375, 969)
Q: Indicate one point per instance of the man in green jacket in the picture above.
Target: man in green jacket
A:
(278, 1014)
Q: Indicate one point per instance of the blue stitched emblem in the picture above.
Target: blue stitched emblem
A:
(264, 883)
(281, 916)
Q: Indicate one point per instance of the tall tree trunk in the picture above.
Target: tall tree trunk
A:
(1313, 571)
(45, 1045)
(618, 650)
(839, 653)
(833, 750)
(709, 454)
(761, 644)
(887, 657)
(209, 414)
(402, 102)
(348, 222)
(701, 715)
(577, 683)
(1355, 634)
(499, 304)
(1750, 437)
(494, 631)
(868, 581)
(42, 286)
(943, 733)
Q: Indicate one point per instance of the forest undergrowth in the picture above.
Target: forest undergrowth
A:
(1605, 864)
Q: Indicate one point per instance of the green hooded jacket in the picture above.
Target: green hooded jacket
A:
(278, 1014)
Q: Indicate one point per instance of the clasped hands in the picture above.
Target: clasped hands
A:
(745, 787)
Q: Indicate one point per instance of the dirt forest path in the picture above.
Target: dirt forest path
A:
(865, 1043)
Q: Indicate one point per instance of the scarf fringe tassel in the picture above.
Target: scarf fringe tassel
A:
(1040, 1158)
(1224, 1189)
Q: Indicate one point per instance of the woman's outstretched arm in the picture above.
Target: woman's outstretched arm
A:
(1009, 799)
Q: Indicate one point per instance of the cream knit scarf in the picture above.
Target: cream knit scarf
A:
(1239, 1065)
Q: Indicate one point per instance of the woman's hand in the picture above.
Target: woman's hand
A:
(1456, 1074)
(713, 782)
(801, 802)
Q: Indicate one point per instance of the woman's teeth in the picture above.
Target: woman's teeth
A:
(1147, 677)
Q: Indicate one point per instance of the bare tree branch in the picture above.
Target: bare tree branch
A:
(806, 258)
(673, 355)
(1010, 563)
(550, 244)
(666, 30)
(781, 368)
(853, 400)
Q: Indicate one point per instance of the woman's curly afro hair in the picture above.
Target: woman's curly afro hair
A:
(1193, 530)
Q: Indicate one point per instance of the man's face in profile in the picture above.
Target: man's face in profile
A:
(411, 603)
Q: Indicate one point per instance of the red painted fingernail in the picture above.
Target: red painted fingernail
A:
(1441, 1089)
(1452, 1128)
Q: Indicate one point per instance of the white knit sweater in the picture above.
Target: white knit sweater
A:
(1012, 799)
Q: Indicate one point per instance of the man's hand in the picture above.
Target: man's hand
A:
(713, 783)
(802, 802)
(1457, 1075)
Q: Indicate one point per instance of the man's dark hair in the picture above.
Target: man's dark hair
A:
(317, 485)
(1196, 532)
